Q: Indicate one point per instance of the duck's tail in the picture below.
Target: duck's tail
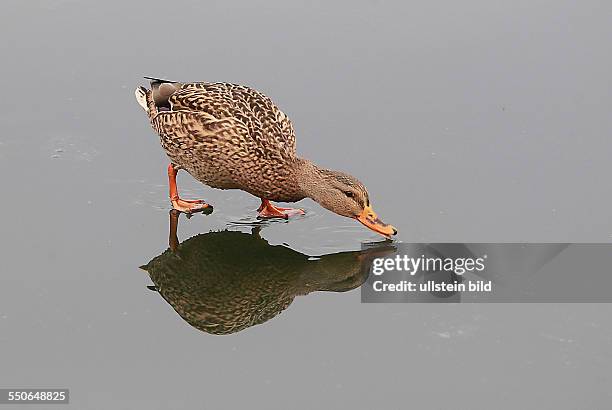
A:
(154, 80)
(145, 99)
(158, 97)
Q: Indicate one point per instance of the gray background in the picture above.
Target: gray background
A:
(476, 121)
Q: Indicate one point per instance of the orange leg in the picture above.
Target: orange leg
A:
(182, 205)
(267, 210)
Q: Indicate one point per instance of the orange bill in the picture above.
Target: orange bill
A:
(369, 218)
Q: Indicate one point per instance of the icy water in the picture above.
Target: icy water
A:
(478, 122)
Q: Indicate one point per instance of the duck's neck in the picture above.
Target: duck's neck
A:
(310, 179)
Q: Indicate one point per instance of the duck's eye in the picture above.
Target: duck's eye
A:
(349, 194)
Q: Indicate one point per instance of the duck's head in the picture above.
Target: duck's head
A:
(342, 194)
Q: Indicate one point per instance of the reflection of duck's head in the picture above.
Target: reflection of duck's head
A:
(224, 282)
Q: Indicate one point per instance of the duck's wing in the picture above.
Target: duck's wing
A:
(223, 153)
(186, 131)
(267, 125)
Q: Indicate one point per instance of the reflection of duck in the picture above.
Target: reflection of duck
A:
(230, 136)
(224, 282)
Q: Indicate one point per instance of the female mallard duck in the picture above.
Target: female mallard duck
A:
(230, 136)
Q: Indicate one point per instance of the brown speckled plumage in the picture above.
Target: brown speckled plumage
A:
(228, 136)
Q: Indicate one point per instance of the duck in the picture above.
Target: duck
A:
(231, 136)
(224, 282)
